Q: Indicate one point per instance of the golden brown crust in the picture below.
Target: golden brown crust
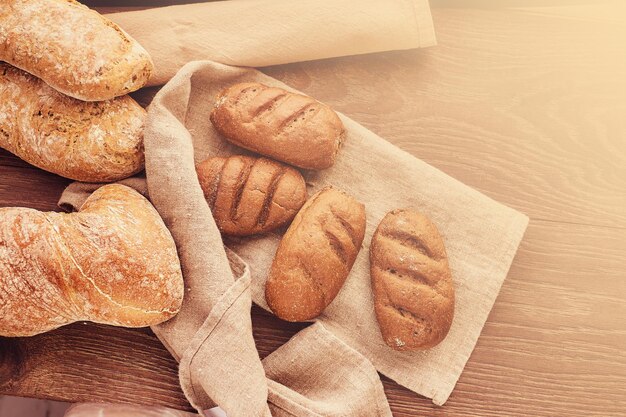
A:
(84, 141)
(113, 262)
(412, 283)
(289, 127)
(73, 49)
(316, 255)
(251, 195)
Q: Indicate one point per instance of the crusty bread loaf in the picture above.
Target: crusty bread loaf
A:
(289, 127)
(113, 262)
(92, 142)
(413, 291)
(72, 48)
(251, 195)
(316, 255)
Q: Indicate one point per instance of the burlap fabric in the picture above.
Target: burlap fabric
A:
(326, 370)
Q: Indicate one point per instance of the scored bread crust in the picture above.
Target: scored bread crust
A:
(315, 255)
(113, 262)
(83, 141)
(411, 280)
(73, 49)
(250, 195)
(289, 127)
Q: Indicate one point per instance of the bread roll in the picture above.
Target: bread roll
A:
(72, 48)
(113, 262)
(413, 291)
(289, 127)
(251, 195)
(315, 256)
(91, 142)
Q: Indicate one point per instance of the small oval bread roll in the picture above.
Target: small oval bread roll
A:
(316, 255)
(72, 48)
(112, 262)
(83, 141)
(289, 127)
(412, 283)
(251, 195)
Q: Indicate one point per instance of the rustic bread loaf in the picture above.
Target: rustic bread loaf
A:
(113, 262)
(413, 291)
(72, 48)
(289, 127)
(92, 142)
(251, 195)
(316, 255)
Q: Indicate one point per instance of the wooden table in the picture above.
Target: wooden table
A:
(527, 107)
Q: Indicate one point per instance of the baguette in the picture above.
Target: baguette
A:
(72, 48)
(113, 262)
(315, 256)
(91, 142)
(289, 127)
(412, 283)
(250, 195)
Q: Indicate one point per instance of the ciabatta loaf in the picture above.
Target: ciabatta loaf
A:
(72, 48)
(113, 262)
(84, 141)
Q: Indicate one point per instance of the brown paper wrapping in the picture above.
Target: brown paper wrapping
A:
(258, 33)
(217, 354)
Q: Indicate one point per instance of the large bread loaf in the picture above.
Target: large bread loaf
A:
(84, 141)
(316, 255)
(413, 291)
(72, 48)
(113, 262)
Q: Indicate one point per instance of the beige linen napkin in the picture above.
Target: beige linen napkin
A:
(324, 370)
(260, 32)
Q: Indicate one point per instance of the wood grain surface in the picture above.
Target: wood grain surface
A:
(527, 108)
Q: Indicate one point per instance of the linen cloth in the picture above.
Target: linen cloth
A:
(327, 368)
(259, 33)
